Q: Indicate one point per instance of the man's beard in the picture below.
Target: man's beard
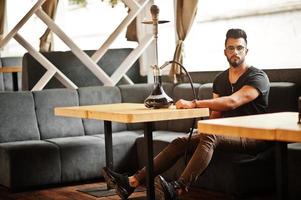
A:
(236, 62)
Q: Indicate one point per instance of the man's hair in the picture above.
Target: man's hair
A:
(236, 33)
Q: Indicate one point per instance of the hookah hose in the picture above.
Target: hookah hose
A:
(195, 98)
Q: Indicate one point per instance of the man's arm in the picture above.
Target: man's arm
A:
(215, 114)
(245, 95)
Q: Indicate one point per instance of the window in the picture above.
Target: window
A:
(273, 29)
(87, 26)
(91, 25)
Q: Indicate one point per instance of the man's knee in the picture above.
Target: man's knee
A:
(179, 142)
(209, 139)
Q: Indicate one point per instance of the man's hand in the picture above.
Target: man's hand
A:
(183, 104)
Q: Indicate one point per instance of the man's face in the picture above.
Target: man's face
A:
(235, 51)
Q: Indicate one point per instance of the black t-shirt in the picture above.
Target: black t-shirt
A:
(253, 77)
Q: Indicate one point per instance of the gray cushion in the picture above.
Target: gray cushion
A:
(183, 91)
(29, 163)
(52, 126)
(124, 150)
(18, 118)
(99, 95)
(82, 157)
(205, 91)
(139, 92)
(135, 93)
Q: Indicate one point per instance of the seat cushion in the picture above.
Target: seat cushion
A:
(52, 126)
(99, 95)
(82, 157)
(29, 163)
(18, 118)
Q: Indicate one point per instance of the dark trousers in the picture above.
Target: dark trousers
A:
(201, 148)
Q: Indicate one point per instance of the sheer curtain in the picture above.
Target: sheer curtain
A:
(185, 15)
(49, 7)
(2, 18)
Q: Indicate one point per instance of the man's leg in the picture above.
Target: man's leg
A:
(200, 160)
(168, 157)
(125, 185)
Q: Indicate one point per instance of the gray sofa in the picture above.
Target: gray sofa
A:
(38, 148)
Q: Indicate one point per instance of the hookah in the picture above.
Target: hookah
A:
(158, 98)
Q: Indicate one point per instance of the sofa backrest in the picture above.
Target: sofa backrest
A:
(18, 118)
(75, 70)
(99, 95)
(52, 126)
(282, 97)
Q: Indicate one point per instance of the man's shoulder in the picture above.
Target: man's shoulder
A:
(256, 74)
(222, 74)
(255, 69)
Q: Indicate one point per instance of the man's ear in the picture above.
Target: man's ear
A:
(225, 52)
(247, 50)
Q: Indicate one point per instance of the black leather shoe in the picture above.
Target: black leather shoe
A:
(118, 181)
(166, 190)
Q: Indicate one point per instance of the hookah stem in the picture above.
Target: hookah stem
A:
(155, 13)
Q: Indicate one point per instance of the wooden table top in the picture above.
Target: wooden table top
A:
(280, 126)
(129, 112)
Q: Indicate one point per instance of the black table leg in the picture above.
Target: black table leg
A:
(108, 190)
(148, 136)
(281, 171)
(15, 81)
(108, 147)
(108, 144)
